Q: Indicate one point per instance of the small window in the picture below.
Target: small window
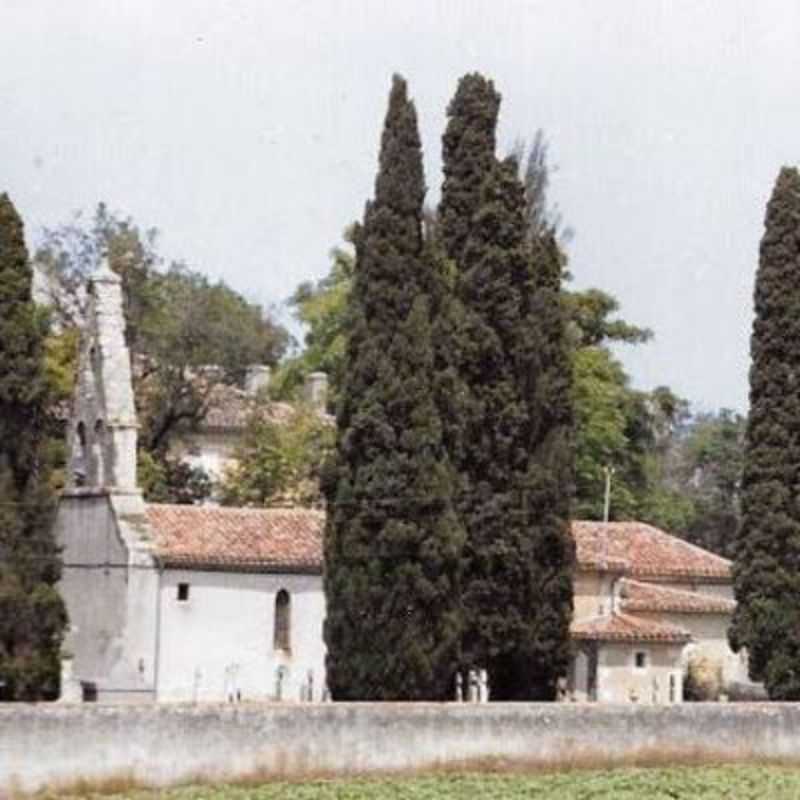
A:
(640, 659)
(672, 688)
(183, 592)
(88, 692)
(282, 634)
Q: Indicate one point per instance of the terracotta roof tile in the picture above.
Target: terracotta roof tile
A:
(642, 550)
(230, 408)
(636, 596)
(293, 538)
(621, 627)
(245, 538)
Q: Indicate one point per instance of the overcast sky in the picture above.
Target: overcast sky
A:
(247, 132)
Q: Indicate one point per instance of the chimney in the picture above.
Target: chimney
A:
(256, 378)
(316, 390)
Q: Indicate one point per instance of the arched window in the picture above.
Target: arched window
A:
(282, 635)
(81, 432)
(79, 455)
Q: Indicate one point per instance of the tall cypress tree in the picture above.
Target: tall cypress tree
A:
(468, 147)
(392, 539)
(517, 456)
(32, 616)
(767, 561)
(509, 419)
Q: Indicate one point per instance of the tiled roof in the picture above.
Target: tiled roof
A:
(642, 550)
(637, 596)
(230, 408)
(619, 627)
(287, 537)
(215, 537)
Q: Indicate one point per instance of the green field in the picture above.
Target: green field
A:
(740, 782)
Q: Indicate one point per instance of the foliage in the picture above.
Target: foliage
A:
(744, 782)
(32, 615)
(278, 461)
(169, 480)
(541, 217)
(392, 539)
(767, 565)
(714, 449)
(177, 321)
(511, 436)
(703, 681)
(590, 312)
(468, 155)
(322, 308)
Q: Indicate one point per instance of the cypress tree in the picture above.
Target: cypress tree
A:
(32, 616)
(767, 553)
(392, 539)
(468, 147)
(517, 456)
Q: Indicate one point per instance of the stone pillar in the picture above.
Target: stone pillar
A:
(256, 378)
(316, 390)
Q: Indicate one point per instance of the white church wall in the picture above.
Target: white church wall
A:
(219, 642)
(110, 591)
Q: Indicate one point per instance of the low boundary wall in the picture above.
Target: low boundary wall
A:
(162, 744)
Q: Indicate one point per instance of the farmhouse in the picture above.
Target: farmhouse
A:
(177, 603)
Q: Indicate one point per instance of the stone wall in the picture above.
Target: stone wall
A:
(58, 745)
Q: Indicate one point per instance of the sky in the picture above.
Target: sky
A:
(247, 132)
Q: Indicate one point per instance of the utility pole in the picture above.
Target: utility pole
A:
(609, 472)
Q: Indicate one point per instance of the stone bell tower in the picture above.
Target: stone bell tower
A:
(103, 426)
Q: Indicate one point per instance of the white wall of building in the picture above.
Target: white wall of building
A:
(220, 642)
(659, 681)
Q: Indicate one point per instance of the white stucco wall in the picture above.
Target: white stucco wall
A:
(710, 640)
(108, 584)
(619, 680)
(220, 641)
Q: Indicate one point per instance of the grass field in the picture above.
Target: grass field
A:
(706, 783)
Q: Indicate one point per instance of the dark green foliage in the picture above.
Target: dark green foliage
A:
(468, 147)
(165, 479)
(767, 565)
(516, 462)
(392, 541)
(32, 616)
(714, 447)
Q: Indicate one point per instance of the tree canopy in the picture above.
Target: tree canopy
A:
(32, 615)
(767, 564)
(392, 538)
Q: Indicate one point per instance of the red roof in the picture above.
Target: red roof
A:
(619, 627)
(230, 408)
(276, 539)
(637, 596)
(292, 538)
(642, 550)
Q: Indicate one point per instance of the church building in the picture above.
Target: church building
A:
(203, 603)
